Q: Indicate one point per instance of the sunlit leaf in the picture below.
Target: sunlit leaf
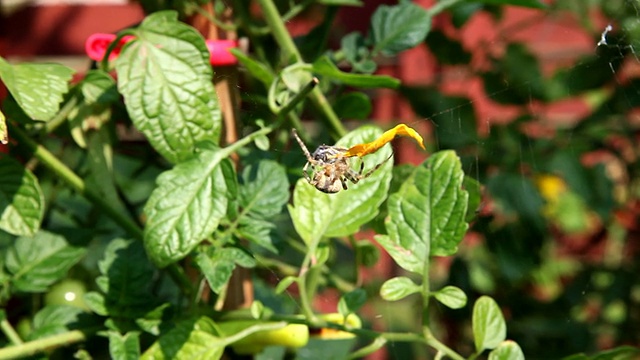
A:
(187, 205)
(165, 77)
(399, 27)
(507, 350)
(55, 319)
(451, 296)
(489, 328)
(189, 339)
(37, 262)
(398, 288)
(264, 189)
(427, 215)
(21, 199)
(316, 214)
(125, 346)
(37, 88)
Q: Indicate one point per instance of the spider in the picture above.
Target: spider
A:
(330, 168)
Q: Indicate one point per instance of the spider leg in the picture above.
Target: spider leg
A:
(374, 169)
(305, 173)
(304, 148)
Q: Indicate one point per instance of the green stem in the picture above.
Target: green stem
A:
(10, 332)
(284, 40)
(436, 344)
(73, 180)
(305, 302)
(40, 345)
(426, 293)
(62, 115)
(440, 6)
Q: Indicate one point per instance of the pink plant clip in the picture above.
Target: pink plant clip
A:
(97, 44)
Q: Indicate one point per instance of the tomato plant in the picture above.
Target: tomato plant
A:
(167, 229)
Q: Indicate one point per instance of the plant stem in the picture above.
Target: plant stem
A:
(40, 345)
(283, 38)
(440, 6)
(10, 332)
(436, 344)
(62, 115)
(68, 176)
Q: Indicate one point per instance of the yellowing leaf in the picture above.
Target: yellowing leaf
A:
(369, 148)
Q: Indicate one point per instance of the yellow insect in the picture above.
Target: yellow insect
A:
(331, 165)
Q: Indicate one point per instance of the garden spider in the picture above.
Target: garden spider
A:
(330, 169)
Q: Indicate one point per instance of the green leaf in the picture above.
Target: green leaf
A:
(187, 205)
(399, 27)
(426, 216)
(473, 187)
(97, 93)
(37, 88)
(217, 265)
(55, 319)
(404, 258)
(257, 69)
(264, 189)
(507, 350)
(259, 232)
(21, 199)
(447, 51)
(126, 281)
(325, 67)
(165, 78)
(352, 301)
(125, 346)
(354, 105)
(398, 288)
(189, 339)
(536, 4)
(452, 297)
(37, 262)
(355, 49)
(316, 214)
(489, 328)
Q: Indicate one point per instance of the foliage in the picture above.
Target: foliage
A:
(161, 231)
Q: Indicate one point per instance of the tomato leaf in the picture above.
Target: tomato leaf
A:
(21, 199)
(316, 214)
(489, 328)
(57, 319)
(399, 27)
(37, 88)
(187, 205)
(126, 280)
(189, 339)
(125, 346)
(263, 189)
(37, 262)
(165, 78)
(217, 265)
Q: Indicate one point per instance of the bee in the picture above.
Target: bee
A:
(331, 167)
